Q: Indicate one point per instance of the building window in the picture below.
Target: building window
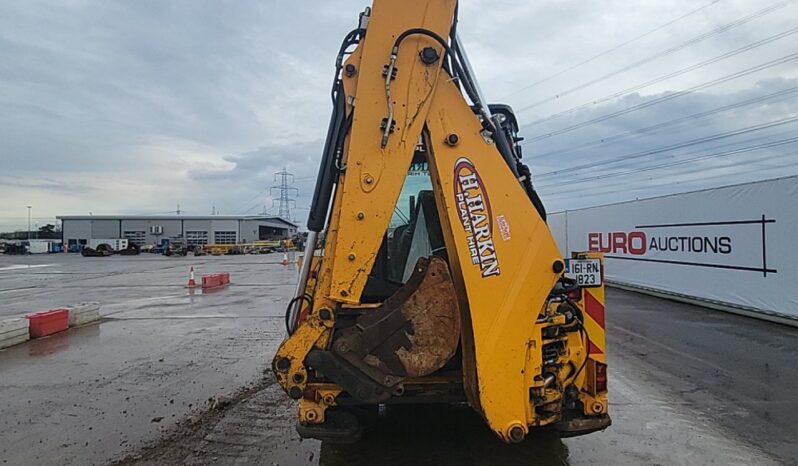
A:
(135, 237)
(196, 238)
(224, 237)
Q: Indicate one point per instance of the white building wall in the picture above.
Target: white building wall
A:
(76, 230)
(236, 230)
(249, 230)
(557, 224)
(105, 229)
(170, 228)
(197, 225)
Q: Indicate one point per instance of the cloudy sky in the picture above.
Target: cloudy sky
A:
(138, 106)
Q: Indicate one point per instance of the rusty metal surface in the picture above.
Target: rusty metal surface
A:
(413, 333)
(581, 426)
(435, 317)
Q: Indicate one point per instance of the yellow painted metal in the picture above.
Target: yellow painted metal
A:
(374, 176)
(501, 253)
(311, 410)
(312, 332)
(218, 249)
(504, 262)
(294, 350)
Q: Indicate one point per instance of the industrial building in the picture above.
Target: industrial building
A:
(194, 230)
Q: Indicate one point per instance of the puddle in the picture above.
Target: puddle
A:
(24, 267)
(442, 435)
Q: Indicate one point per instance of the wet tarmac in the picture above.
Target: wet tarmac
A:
(687, 385)
(159, 355)
(732, 373)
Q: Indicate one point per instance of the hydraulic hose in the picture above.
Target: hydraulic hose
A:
(459, 73)
(326, 177)
(582, 330)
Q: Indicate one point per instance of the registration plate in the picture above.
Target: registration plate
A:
(586, 272)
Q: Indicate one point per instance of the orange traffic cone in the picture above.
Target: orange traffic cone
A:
(191, 282)
(285, 259)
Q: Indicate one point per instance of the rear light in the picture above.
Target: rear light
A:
(601, 377)
(575, 295)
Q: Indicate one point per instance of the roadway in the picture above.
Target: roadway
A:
(736, 374)
(688, 385)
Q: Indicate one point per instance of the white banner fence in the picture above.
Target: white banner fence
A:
(732, 246)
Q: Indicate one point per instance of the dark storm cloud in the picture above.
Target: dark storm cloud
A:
(120, 106)
(48, 184)
(699, 165)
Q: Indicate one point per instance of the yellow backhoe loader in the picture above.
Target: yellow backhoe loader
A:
(430, 272)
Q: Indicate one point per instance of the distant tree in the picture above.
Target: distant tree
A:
(48, 231)
(14, 235)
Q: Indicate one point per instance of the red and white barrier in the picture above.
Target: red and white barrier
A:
(14, 331)
(17, 330)
(49, 322)
(215, 280)
(83, 313)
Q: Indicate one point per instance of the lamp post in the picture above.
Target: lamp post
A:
(29, 225)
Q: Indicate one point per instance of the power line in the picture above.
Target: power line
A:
(263, 191)
(565, 180)
(667, 97)
(256, 204)
(665, 77)
(252, 208)
(681, 145)
(560, 181)
(638, 131)
(676, 48)
(665, 179)
(238, 209)
(668, 181)
(610, 50)
(687, 161)
(715, 155)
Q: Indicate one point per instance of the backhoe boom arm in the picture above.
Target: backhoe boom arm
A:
(465, 288)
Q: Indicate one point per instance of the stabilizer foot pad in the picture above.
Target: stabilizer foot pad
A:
(339, 427)
(582, 425)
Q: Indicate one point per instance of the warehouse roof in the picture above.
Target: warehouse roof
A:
(177, 217)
